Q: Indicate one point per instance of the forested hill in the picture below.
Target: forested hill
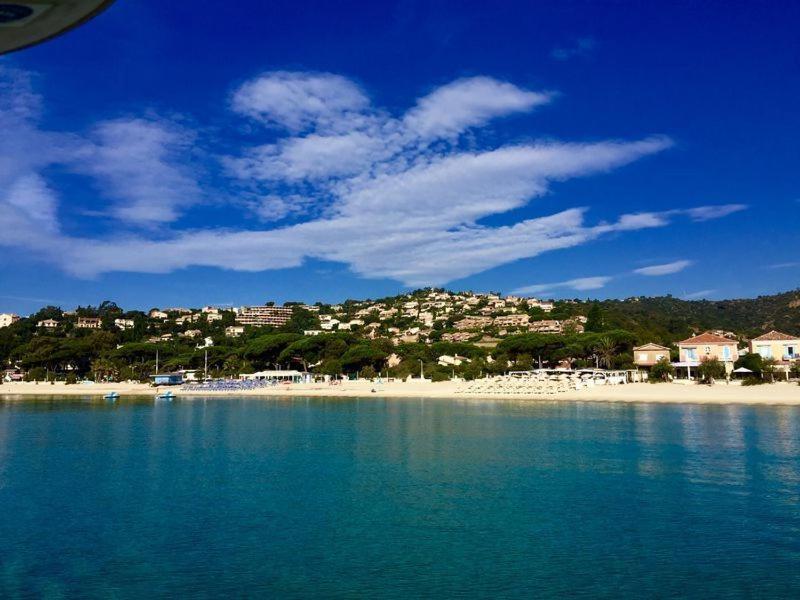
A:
(670, 319)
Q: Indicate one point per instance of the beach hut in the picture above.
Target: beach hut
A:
(167, 379)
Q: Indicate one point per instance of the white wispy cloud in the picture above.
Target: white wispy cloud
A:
(579, 47)
(302, 101)
(664, 269)
(389, 196)
(702, 294)
(466, 103)
(707, 213)
(597, 282)
(784, 265)
(142, 166)
(581, 284)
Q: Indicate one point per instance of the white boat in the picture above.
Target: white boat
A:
(168, 395)
(111, 396)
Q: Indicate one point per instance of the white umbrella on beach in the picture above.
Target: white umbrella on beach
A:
(742, 370)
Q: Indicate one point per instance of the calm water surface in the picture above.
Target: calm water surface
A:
(401, 498)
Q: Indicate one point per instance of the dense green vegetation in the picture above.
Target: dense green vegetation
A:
(613, 327)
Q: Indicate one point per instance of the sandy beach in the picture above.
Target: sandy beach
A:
(773, 394)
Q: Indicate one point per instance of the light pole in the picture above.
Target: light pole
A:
(421, 372)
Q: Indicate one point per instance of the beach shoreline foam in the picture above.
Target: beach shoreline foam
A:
(721, 393)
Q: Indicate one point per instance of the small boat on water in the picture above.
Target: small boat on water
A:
(111, 396)
(168, 395)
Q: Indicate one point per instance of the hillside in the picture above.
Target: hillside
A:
(447, 333)
(670, 319)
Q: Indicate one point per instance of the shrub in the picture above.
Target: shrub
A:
(711, 369)
(36, 374)
(71, 379)
(753, 381)
(661, 371)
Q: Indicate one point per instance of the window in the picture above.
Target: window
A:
(707, 349)
(643, 357)
(726, 352)
(691, 353)
(659, 357)
(765, 351)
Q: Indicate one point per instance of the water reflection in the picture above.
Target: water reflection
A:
(397, 498)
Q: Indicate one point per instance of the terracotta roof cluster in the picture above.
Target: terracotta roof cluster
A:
(775, 336)
(708, 338)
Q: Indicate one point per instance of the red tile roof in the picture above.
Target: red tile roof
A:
(775, 336)
(708, 338)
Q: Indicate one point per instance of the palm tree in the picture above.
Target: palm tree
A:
(103, 369)
(606, 350)
(768, 368)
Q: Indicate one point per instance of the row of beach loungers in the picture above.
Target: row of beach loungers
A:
(228, 385)
(528, 386)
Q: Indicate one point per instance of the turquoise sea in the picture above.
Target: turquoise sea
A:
(397, 499)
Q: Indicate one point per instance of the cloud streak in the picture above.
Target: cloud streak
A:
(598, 282)
(665, 269)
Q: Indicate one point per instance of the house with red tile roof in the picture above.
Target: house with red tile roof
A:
(783, 347)
(707, 346)
(649, 354)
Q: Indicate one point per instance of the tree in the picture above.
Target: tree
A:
(103, 369)
(662, 371)
(711, 369)
(265, 349)
(752, 361)
(594, 319)
(768, 366)
(606, 349)
(794, 370)
(301, 320)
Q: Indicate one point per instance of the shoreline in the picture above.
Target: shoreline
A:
(776, 394)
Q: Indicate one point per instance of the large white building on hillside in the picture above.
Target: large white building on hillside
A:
(261, 316)
(7, 319)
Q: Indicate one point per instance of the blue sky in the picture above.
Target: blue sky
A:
(176, 153)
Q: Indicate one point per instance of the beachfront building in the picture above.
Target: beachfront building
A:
(286, 376)
(707, 346)
(7, 319)
(647, 355)
(12, 374)
(158, 314)
(777, 345)
(47, 324)
(167, 378)
(88, 323)
(782, 347)
(262, 316)
(234, 331)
